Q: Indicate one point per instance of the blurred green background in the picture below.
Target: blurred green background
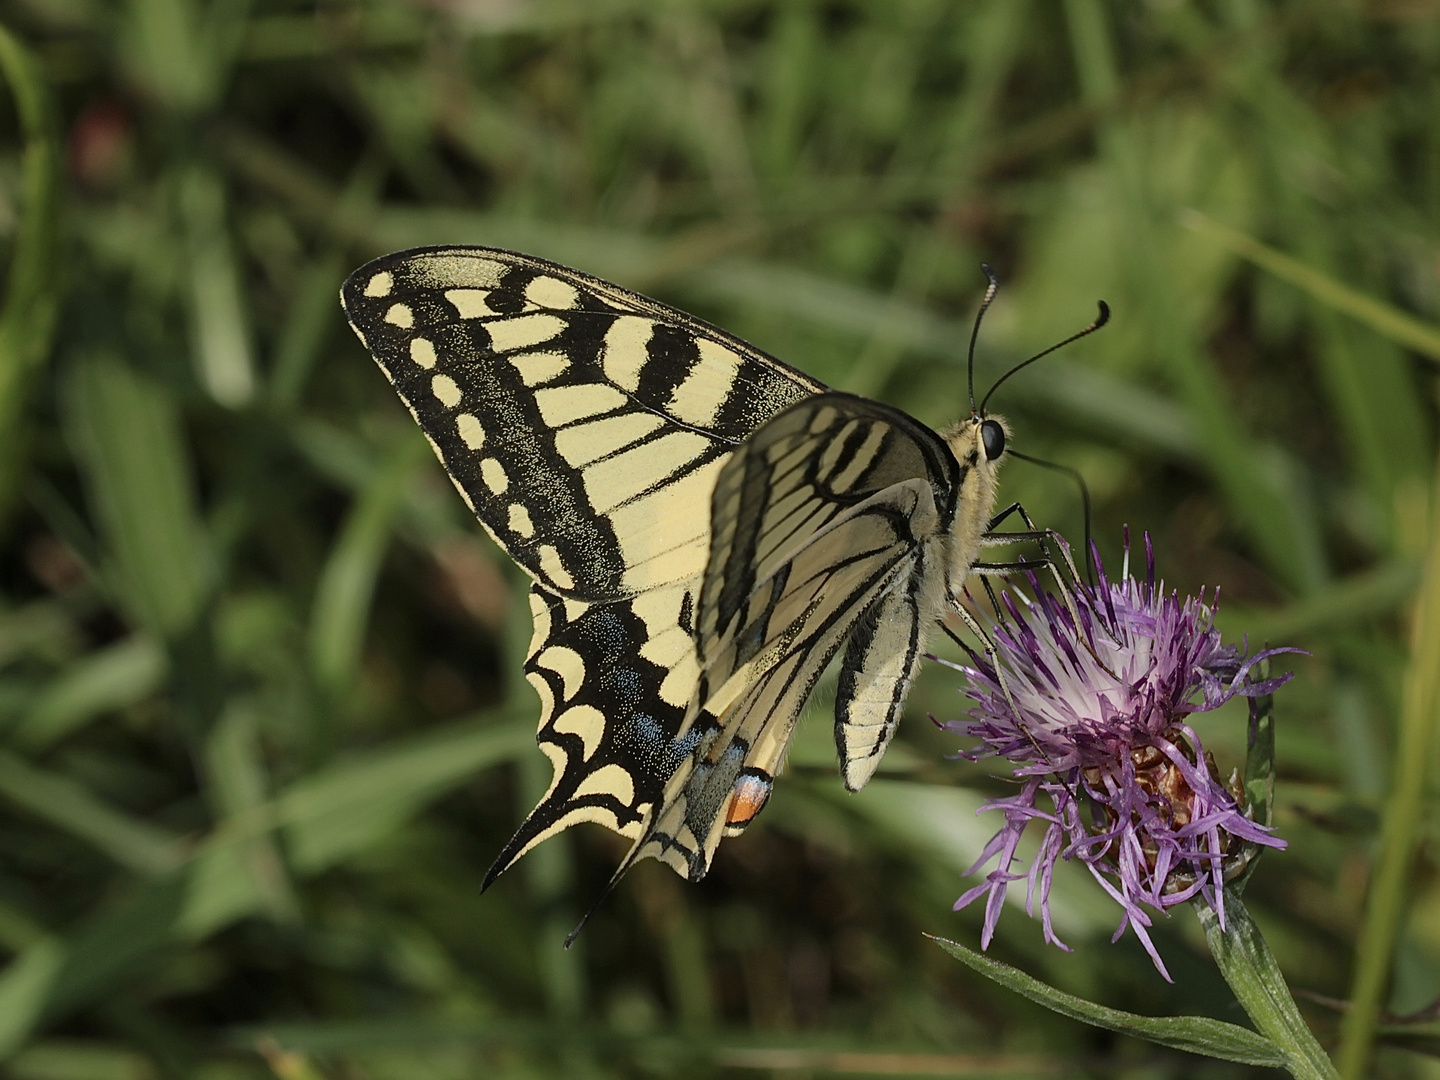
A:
(262, 720)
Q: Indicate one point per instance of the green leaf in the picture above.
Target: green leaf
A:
(342, 600)
(24, 990)
(233, 879)
(219, 326)
(66, 804)
(28, 317)
(106, 679)
(80, 1059)
(1384, 319)
(1405, 810)
(1193, 1034)
(126, 435)
(350, 805)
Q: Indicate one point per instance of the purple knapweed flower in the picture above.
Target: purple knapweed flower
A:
(1095, 718)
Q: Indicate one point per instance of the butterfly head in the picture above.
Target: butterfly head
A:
(979, 445)
(979, 442)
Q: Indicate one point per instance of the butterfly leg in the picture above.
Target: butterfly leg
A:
(1043, 538)
(993, 658)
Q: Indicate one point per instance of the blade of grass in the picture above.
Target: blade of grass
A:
(219, 324)
(1370, 594)
(125, 432)
(313, 311)
(255, 876)
(80, 1059)
(106, 679)
(136, 845)
(27, 319)
(342, 599)
(25, 986)
(1403, 815)
(1385, 319)
(349, 805)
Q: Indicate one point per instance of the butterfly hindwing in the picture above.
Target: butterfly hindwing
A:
(830, 517)
(608, 716)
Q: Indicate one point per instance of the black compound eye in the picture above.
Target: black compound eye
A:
(993, 436)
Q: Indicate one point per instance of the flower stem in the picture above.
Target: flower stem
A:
(1250, 968)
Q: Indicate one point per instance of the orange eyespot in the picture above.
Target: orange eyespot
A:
(750, 795)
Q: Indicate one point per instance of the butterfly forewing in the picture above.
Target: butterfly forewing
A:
(585, 426)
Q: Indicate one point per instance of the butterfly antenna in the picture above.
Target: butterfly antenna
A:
(1100, 320)
(985, 302)
(1074, 474)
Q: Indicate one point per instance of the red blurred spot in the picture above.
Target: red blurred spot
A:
(101, 146)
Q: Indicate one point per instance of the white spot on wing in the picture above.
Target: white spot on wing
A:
(831, 454)
(583, 443)
(540, 619)
(380, 284)
(551, 292)
(588, 722)
(545, 694)
(668, 648)
(698, 399)
(401, 316)
(520, 523)
(568, 664)
(563, 404)
(470, 303)
(823, 418)
(470, 430)
(445, 390)
(553, 568)
(611, 780)
(539, 367)
(681, 682)
(493, 475)
(422, 352)
(506, 335)
(625, 353)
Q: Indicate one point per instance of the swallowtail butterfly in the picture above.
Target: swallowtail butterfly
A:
(705, 527)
